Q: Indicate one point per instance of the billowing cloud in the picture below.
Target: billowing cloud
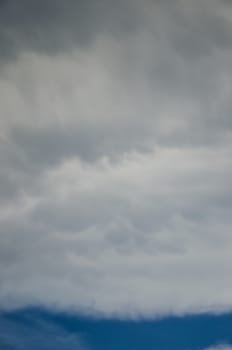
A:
(116, 156)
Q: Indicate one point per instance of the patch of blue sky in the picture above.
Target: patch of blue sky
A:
(37, 328)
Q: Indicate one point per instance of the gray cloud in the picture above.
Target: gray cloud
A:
(115, 156)
(53, 26)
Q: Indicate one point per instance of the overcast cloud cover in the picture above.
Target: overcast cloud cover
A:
(115, 150)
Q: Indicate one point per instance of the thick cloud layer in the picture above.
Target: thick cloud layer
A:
(116, 156)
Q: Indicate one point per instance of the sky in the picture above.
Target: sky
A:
(115, 191)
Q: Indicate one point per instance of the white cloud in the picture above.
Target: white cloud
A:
(221, 347)
(149, 234)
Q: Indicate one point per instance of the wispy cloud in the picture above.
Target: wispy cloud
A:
(37, 334)
(221, 347)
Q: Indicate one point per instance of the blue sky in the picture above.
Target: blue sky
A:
(36, 328)
(115, 174)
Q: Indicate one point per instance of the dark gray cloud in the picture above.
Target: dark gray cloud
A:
(53, 26)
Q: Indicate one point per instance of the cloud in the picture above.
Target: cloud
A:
(115, 156)
(35, 334)
(146, 235)
(221, 347)
(54, 26)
